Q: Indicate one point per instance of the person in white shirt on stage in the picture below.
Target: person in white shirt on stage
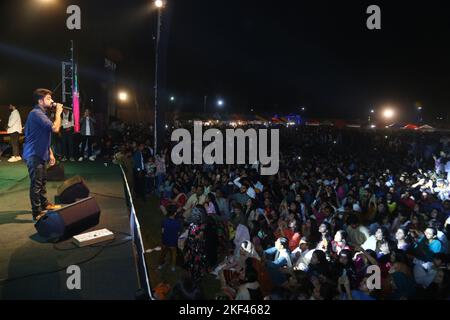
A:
(14, 130)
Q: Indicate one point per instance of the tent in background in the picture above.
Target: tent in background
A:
(411, 127)
(426, 128)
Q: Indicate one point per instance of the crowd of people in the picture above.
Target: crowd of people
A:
(351, 215)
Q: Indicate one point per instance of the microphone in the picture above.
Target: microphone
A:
(64, 107)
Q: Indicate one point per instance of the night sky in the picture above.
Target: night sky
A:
(272, 56)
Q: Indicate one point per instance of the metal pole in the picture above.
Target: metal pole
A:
(72, 69)
(156, 81)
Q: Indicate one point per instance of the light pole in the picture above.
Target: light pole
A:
(370, 115)
(420, 115)
(159, 4)
(123, 96)
(388, 114)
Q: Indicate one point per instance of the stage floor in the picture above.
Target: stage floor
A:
(29, 266)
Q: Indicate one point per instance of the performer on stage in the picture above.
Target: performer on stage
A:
(37, 151)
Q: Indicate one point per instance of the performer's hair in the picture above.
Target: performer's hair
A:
(40, 94)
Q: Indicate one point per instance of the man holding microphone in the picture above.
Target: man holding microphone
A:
(37, 151)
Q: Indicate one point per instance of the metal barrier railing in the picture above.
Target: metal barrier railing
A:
(138, 244)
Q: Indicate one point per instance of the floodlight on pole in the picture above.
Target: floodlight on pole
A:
(159, 4)
(388, 113)
(123, 96)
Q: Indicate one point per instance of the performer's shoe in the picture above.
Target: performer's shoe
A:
(38, 215)
(51, 206)
(64, 159)
(14, 159)
(72, 159)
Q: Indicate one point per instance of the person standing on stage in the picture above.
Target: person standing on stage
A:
(37, 151)
(67, 135)
(14, 130)
(87, 134)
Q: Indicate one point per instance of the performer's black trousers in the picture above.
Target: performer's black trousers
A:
(15, 143)
(37, 171)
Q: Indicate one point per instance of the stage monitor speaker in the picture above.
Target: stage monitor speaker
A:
(72, 190)
(69, 220)
(56, 172)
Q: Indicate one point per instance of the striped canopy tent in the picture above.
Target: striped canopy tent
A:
(410, 127)
(280, 120)
(396, 126)
(326, 123)
(262, 119)
(426, 128)
(313, 122)
(340, 124)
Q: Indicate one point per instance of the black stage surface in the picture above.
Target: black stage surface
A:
(31, 268)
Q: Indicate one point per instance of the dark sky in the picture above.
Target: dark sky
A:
(267, 55)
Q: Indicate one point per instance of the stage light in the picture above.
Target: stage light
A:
(159, 3)
(388, 113)
(123, 96)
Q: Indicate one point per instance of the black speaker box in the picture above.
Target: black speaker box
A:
(69, 220)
